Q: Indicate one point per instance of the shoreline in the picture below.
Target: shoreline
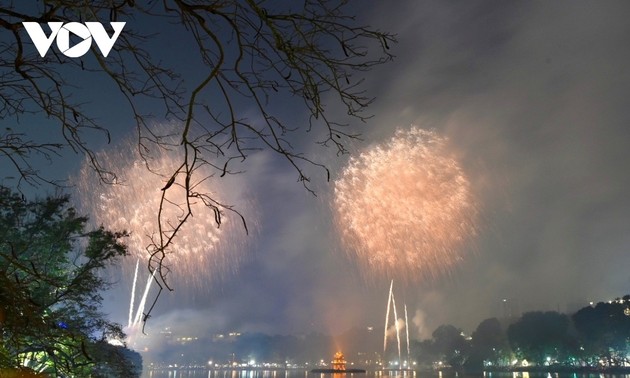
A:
(485, 372)
(556, 369)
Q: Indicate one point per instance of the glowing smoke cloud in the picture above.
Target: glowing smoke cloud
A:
(404, 208)
(202, 253)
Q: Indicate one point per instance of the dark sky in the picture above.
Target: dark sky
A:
(534, 97)
(533, 94)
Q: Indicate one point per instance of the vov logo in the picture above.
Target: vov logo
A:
(87, 32)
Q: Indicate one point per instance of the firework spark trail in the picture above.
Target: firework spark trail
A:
(389, 301)
(396, 325)
(143, 300)
(133, 292)
(405, 208)
(407, 330)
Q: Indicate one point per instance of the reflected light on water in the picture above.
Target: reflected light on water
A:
(302, 373)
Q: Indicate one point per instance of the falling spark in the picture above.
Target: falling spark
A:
(405, 208)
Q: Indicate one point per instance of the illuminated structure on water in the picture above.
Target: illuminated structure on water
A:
(338, 366)
(339, 362)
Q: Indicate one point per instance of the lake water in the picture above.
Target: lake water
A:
(299, 373)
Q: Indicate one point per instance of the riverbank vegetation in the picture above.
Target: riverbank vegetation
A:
(596, 337)
(51, 280)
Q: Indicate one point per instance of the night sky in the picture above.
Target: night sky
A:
(533, 97)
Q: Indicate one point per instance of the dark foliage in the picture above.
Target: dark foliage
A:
(50, 284)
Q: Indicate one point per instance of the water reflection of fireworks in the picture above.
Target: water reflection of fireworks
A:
(405, 208)
(202, 252)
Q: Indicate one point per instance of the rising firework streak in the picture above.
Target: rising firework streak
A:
(391, 304)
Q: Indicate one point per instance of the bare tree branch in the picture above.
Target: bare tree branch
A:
(254, 54)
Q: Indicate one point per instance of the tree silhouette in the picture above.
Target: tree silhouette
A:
(541, 337)
(489, 343)
(604, 331)
(449, 343)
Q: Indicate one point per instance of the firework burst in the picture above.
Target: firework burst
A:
(202, 252)
(405, 208)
